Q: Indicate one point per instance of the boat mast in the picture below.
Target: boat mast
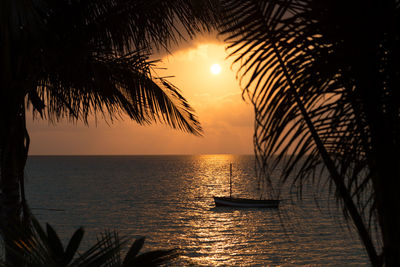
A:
(230, 181)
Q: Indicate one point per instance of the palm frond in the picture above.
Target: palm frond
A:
(324, 92)
(86, 57)
(35, 246)
(113, 86)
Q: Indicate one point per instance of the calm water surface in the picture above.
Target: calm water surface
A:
(168, 199)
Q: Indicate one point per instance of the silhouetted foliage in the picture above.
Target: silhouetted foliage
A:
(35, 246)
(73, 58)
(324, 78)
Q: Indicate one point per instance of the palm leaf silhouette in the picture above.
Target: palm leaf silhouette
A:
(35, 246)
(72, 59)
(323, 82)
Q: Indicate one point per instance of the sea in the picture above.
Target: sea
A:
(168, 200)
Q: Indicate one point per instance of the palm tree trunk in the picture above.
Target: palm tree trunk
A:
(14, 149)
(385, 167)
(383, 156)
(388, 208)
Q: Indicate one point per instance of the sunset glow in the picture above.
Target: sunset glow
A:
(213, 97)
(215, 69)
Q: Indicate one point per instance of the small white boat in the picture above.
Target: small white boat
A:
(244, 202)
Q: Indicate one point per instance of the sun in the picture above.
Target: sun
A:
(215, 69)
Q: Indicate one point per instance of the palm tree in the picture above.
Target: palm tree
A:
(73, 58)
(323, 77)
(35, 246)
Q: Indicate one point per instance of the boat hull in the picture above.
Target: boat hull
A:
(245, 203)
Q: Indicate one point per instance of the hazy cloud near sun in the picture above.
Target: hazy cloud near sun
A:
(226, 119)
(186, 43)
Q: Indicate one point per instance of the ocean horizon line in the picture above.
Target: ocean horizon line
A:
(128, 155)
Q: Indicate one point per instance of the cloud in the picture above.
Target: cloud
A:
(187, 43)
(226, 118)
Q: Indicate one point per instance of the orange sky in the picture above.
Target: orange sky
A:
(226, 119)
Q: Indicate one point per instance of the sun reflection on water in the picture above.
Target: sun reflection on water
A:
(219, 236)
(169, 200)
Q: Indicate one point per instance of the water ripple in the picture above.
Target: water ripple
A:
(168, 199)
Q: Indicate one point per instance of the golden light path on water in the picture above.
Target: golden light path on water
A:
(222, 234)
(169, 200)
